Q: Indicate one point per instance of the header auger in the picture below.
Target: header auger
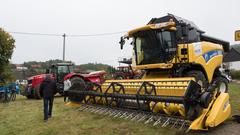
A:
(182, 86)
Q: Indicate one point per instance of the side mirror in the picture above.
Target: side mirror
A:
(47, 71)
(121, 42)
(237, 35)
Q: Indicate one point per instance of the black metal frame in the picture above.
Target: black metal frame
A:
(92, 97)
(146, 92)
(115, 91)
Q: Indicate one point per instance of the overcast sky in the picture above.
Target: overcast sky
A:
(219, 18)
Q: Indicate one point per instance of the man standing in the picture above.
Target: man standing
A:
(47, 91)
(67, 85)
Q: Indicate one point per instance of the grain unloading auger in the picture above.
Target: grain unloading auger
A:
(182, 86)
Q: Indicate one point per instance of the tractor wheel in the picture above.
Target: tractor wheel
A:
(222, 84)
(6, 97)
(31, 94)
(199, 78)
(37, 92)
(3, 97)
(78, 84)
(119, 77)
(13, 96)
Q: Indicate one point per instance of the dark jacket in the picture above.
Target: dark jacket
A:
(48, 88)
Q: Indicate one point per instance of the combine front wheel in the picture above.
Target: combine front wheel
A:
(195, 111)
(199, 78)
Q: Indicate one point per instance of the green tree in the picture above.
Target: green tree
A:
(96, 67)
(6, 50)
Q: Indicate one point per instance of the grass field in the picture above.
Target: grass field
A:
(25, 117)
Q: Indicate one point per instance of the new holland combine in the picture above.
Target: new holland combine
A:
(182, 86)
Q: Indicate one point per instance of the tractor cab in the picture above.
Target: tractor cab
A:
(60, 70)
(124, 69)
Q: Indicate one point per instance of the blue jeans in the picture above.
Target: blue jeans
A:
(47, 104)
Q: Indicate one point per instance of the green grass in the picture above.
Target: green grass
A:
(25, 117)
(234, 90)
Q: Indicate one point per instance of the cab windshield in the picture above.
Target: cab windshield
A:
(154, 47)
(63, 71)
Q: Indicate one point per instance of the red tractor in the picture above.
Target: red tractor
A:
(126, 72)
(61, 72)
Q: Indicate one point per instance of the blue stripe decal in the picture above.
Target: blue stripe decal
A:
(209, 55)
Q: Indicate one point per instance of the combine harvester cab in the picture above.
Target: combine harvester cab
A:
(182, 86)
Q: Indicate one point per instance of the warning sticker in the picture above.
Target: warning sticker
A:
(197, 48)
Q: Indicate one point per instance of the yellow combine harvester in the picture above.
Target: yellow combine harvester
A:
(182, 86)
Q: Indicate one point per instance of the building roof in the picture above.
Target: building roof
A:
(233, 55)
(236, 47)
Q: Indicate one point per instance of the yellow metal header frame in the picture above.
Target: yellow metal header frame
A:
(153, 66)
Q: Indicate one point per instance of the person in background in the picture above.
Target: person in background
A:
(47, 91)
(67, 85)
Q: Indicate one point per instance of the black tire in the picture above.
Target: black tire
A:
(199, 78)
(30, 95)
(194, 112)
(6, 97)
(13, 96)
(222, 84)
(2, 97)
(78, 84)
(37, 92)
(119, 77)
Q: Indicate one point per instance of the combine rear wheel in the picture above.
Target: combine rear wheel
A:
(78, 84)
